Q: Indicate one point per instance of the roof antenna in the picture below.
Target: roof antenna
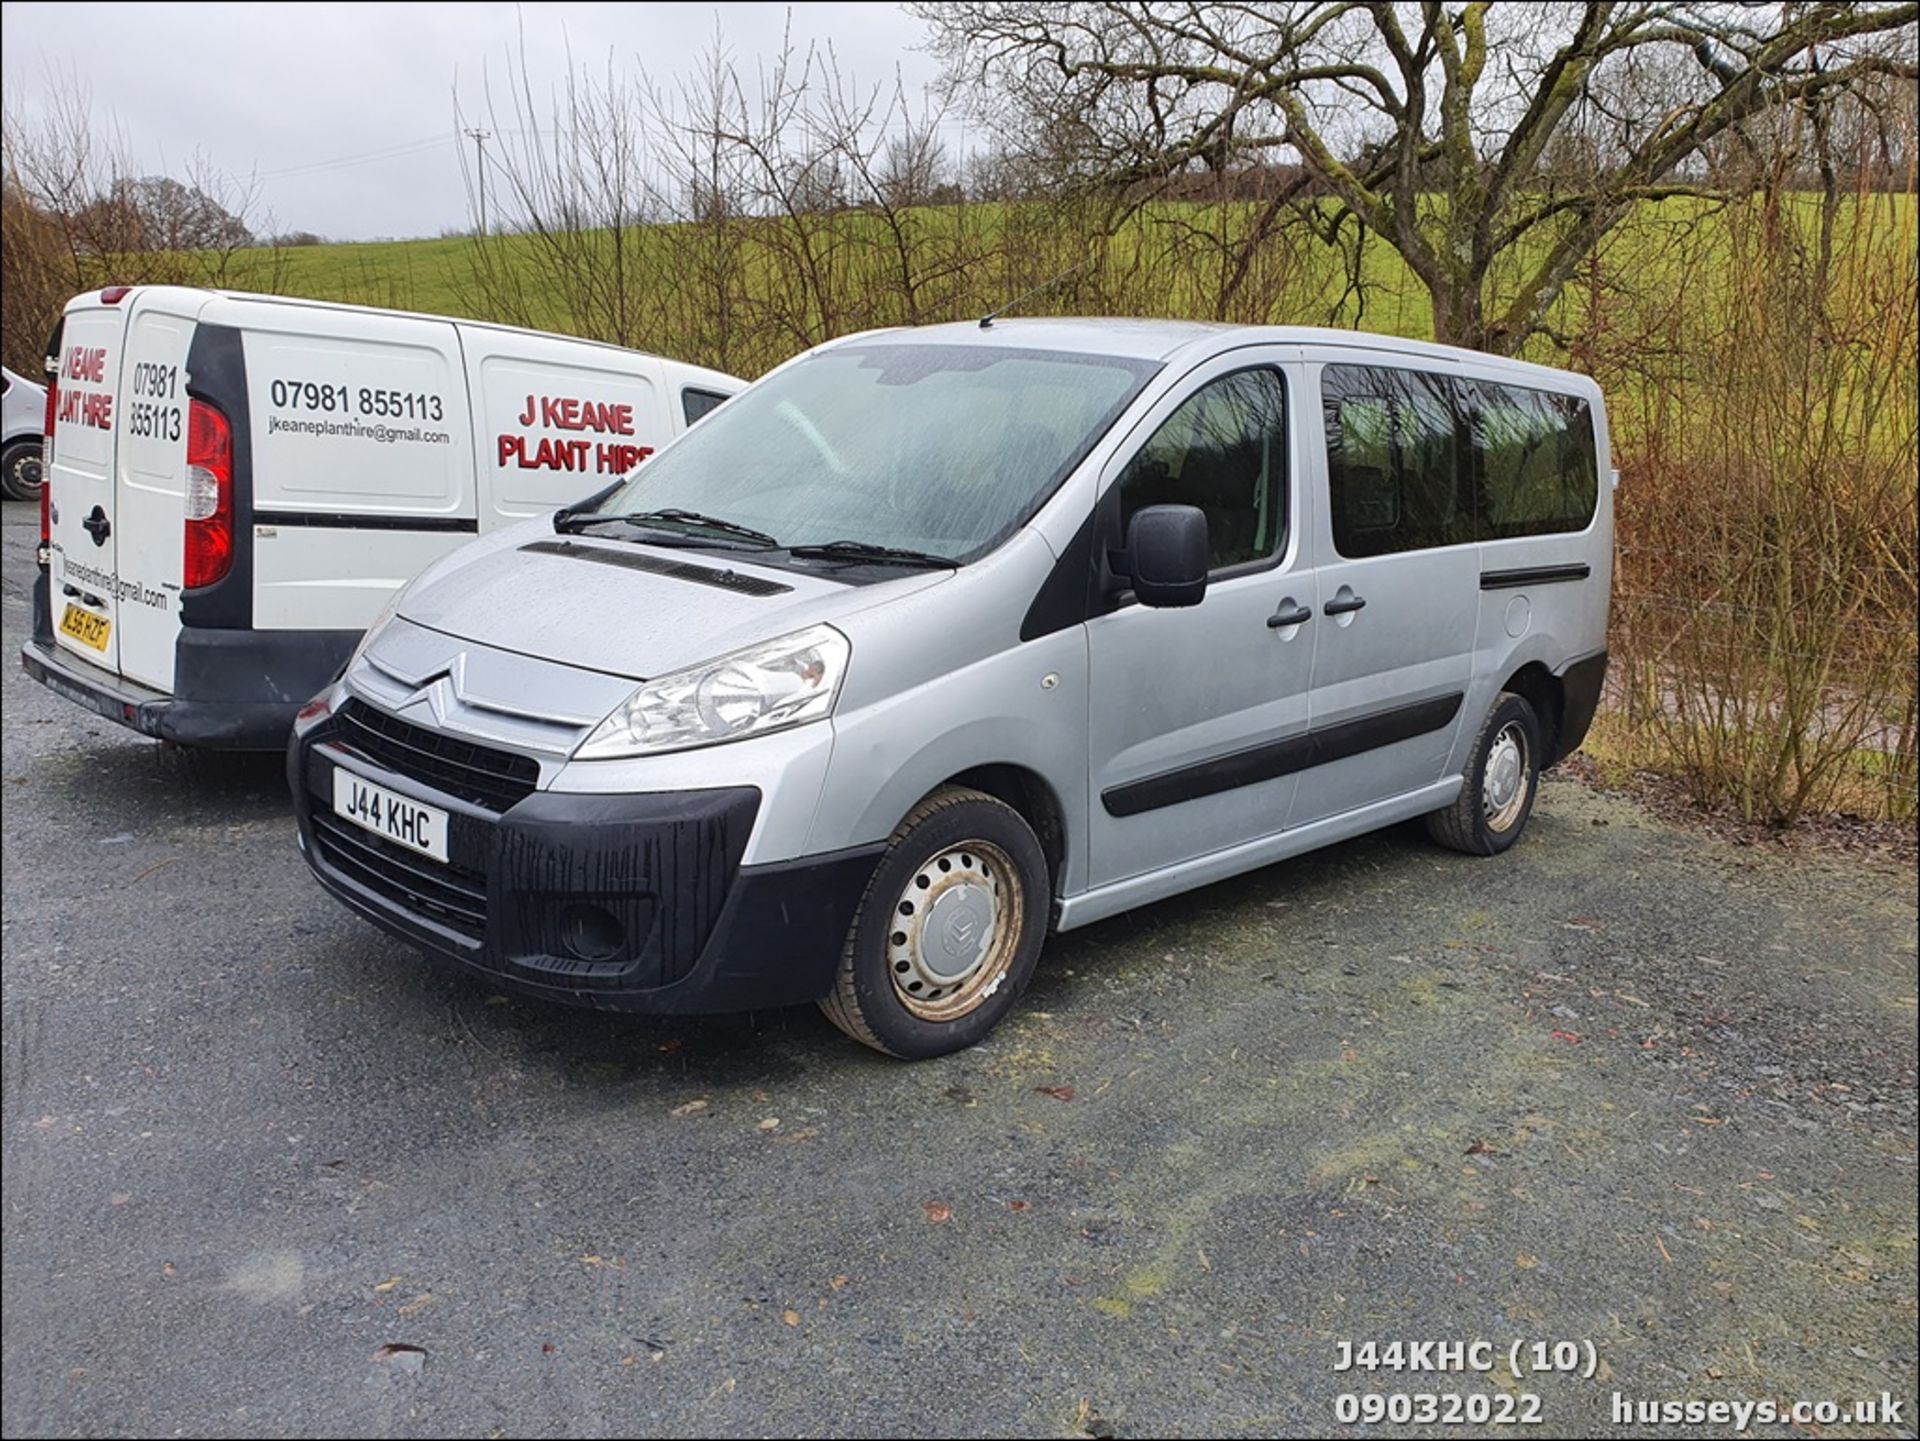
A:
(986, 321)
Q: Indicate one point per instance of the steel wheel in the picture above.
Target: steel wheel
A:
(1506, 777)
(956, 930)
(21, 476)
(949, 930)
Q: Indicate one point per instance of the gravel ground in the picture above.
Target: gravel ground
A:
(1629, 1085)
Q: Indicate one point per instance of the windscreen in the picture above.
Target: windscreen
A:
(940, 449)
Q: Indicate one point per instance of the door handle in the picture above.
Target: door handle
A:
(1289, 614)
(98, 526)
(1346, 606)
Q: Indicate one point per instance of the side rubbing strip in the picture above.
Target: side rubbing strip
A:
(1535, 575)
(347, 520)
(1280, 758)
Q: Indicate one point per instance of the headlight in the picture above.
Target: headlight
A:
(766, 687)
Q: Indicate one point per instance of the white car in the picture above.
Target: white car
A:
(25, 411)
(237, 484)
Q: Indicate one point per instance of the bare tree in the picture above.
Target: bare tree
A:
(168, 214)
(77, 215)
(1492, 145)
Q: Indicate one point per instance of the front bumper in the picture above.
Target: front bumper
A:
(616, 902)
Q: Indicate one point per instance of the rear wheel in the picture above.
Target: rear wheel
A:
(20, 470)
(949, 931)
(1502, 779)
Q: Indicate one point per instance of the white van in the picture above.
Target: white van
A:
(238, 484)
(977, 632)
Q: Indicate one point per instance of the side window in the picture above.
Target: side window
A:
(1534, 455)
(696, 403)
(1223, 450)
(1393, 461)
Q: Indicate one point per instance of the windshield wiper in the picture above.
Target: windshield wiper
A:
(860, 550)
(570, 517)
(675, 516)
(653, 532)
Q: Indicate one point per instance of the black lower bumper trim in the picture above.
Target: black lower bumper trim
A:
(98, 691)
(1580, 688)
(233, 689)
(628, 902)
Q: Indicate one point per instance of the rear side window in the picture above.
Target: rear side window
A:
(1533, 454)
(1416, 461)
(1394, 472)
(1223, 450)
(696, 403)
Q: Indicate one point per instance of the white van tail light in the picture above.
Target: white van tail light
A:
(209, 533)
(44, 555)
(46, 424)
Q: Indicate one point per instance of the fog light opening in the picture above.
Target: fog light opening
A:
(590, 933)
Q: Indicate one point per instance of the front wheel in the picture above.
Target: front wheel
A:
(1502, 779)
(20, 470)
(949, 930)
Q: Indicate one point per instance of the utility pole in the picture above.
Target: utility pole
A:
(480, 139)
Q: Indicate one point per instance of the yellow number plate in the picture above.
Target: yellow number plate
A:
(86, 627)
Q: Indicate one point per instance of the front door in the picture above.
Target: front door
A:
(1197, 713)
(1399, 578)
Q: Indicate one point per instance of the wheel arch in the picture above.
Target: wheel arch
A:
(1029, 794)
(1547, 694)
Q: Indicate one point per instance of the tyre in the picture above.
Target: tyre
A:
(948, 932)
(20, 470)
(1502, 779)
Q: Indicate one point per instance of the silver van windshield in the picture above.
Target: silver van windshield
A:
(938, 450)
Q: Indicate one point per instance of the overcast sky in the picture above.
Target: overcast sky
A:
(308, 97)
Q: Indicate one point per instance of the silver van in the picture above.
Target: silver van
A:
(935, 640)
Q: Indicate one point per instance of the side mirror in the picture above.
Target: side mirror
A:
(1167, 555)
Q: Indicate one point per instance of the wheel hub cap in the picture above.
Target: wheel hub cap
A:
(1504, 784)
(955, 935)
(956, 926)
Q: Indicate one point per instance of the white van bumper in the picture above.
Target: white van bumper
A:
(290, 666)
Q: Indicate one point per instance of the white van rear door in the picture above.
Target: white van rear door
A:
(83, 571)
(362, 469)
(151, 470)
(556, 420)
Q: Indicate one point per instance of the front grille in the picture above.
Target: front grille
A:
(455, 898)
(479, 774)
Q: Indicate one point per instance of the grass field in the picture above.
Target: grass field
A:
(1167, 261)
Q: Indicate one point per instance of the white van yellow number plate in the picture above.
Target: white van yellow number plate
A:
(86, 627)
(398, 818)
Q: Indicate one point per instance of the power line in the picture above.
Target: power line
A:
(341, 161)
